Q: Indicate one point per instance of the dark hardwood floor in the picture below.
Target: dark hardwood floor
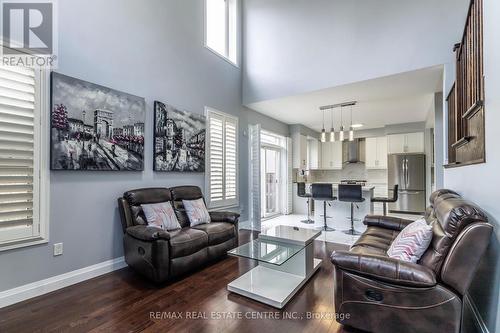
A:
(122, 301)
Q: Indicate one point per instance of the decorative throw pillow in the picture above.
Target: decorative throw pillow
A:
(161, 215)
(411, 242)
(196, 211)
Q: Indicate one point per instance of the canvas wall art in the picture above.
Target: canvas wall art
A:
(179, 140)
(94, 127)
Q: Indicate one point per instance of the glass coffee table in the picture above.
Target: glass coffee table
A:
(286, 261)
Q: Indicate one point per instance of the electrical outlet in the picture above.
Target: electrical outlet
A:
(58, 249)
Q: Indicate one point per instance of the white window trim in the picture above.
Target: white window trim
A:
(41, 203)
(224, 204)
(235, 63)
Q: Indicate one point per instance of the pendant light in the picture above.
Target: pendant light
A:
(332, 130)
(341, 133)
(323, 132)
(351, 130)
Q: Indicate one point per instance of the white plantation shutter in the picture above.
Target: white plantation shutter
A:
(254, 148)
(216, 159)
(18, 164)
(231, 162)
(222, 159)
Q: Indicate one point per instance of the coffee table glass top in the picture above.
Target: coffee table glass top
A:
(290, 235)
(270, 252)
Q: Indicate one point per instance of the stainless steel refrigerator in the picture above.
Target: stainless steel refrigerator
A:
(408, 171)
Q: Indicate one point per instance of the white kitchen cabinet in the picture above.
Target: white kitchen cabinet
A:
(331, 155)
(406, 143)
(299, 148)
(313, 152)
(415, 142)
(376, 153)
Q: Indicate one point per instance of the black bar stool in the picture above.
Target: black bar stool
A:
(323, 192)
(301, 192)
(394, 198)
(352, 194)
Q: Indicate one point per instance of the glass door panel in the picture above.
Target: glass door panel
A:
(270, 166)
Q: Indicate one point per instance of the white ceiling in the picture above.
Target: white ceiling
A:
(395, 99)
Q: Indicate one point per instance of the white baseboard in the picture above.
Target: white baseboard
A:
(22, 293)
(477, 316)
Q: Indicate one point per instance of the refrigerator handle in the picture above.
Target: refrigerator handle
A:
(407, 175)
(404, 174)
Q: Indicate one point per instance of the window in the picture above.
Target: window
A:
(221, 31)
(222, 159)
(23, 175)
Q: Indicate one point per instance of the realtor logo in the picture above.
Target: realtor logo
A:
(28, 33)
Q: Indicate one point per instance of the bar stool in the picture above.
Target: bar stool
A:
(323, 192)
(352, 194)
(301, 192)
(386, 200)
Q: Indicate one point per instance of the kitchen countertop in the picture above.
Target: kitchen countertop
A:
(366, 188)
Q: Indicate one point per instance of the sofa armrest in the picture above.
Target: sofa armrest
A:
(385, 269)
(146, 233)
(386, 222)
(229, 217)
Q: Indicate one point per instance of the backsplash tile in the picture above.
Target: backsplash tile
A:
(350, 171)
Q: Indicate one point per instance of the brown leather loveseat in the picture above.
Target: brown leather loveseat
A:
(160, 255)
(380, 294)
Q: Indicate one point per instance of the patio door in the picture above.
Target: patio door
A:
(270, 181)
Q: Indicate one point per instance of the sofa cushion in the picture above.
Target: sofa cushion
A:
(187, 241)
(196, 211)
(180, 193)
(136, 198)
(375, 240)
(411, 242)
(218, 232)
(161, 215)
(147, 196)
(451, 214)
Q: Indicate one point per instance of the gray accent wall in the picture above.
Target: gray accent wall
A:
(152, 49)
(479, 183)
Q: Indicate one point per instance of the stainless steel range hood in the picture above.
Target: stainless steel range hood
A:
(353, 151)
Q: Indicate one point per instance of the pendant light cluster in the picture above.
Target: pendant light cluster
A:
(342, 133)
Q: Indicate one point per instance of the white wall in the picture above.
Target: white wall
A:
(297, 46)
(480, 183)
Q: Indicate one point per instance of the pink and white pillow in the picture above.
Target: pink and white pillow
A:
(161, 215)
(412, 241)
(196, 211)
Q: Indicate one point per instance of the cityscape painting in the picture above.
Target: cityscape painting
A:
(179, 140)
(95, 128)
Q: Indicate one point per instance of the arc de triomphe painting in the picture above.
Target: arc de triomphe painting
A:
(95, 127)
(103, 123)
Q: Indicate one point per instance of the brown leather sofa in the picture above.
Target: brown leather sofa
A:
(376, 293)
(161, 255)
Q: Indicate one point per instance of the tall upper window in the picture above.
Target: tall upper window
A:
(22, 180)
(222, 159)
(221, 27)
